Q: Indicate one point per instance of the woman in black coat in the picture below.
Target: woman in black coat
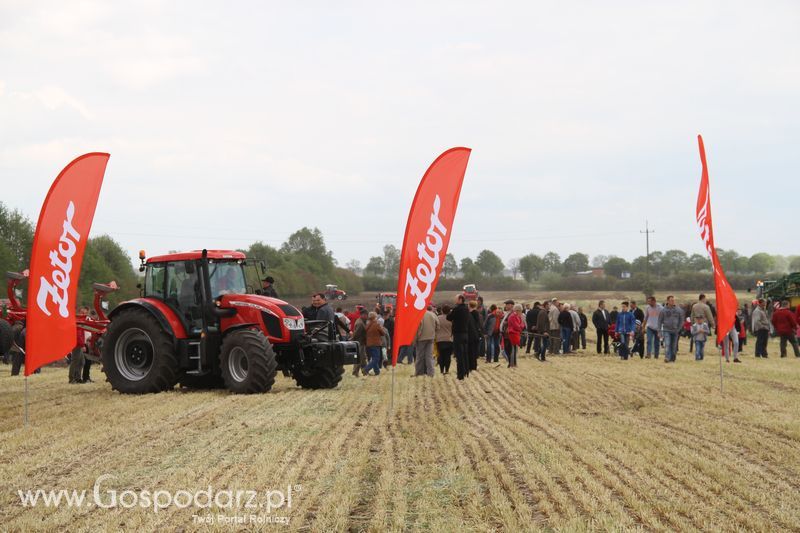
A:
(474, 335)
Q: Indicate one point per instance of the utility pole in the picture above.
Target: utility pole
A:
(647, 231)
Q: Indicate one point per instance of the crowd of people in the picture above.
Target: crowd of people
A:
(469, 331)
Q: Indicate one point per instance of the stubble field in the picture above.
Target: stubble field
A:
(577, 443)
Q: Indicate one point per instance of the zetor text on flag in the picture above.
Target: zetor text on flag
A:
(56, 259)
(727, 303)
(430, 223)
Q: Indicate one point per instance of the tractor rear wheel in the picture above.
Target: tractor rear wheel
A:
(322, 377)
(138, 355)
(6, 337)
(247, 362)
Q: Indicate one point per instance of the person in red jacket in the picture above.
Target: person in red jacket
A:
(515, 326)
(785, 325)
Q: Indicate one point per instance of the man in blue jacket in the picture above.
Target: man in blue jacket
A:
(626, 326)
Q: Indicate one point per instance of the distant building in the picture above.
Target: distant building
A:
(593, 273)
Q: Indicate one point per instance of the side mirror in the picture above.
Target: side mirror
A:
(104, 305)
(138, 285)
(18, 293)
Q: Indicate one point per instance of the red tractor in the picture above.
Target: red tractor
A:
(386, 301)
(470, 292)
(332, 292)
(200, 322)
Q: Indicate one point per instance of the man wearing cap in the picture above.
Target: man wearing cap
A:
(267, 287)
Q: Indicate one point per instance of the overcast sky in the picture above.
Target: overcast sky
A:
(240, 121)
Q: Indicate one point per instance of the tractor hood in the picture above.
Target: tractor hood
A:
(265, 304)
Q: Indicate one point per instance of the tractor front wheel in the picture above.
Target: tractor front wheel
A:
(247, 362)
(138, 355)
(319, 378)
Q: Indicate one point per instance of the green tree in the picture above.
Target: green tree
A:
(489, 263)
(354, 266)
(552, 262)
(310, 244)
(727, 258)
(761, 263)
(794, 264)
(615, 266)
(450, 267)
(391, 260)
(470, 270)
(16, 234)
(264, 252)
(674, 261)
(576, 262)
(375, 267)
(741, 265)
(698, 263)
(531, 267)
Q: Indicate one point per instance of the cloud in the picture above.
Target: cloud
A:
(54, 98)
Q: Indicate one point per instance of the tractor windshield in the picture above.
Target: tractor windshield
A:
(226, 278)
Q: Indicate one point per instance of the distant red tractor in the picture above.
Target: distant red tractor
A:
(332, 292)
(200, 322)
(470, 292)
(386, 301)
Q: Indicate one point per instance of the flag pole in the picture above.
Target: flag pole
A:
(26, 401)
(391, 401)
(720, 365)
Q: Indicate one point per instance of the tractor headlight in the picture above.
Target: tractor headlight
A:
(291, 323)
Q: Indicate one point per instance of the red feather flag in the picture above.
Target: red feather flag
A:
(727, 303)
(430, 223)
(56, 259)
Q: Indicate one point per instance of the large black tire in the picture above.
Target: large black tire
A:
(6, 337)
(319, 378)
(138, 355)
(247, 362)
(208, 381)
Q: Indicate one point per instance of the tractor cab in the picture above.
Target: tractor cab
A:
(189, 284)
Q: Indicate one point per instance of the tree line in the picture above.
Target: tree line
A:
(673, 269)
(303, 264)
